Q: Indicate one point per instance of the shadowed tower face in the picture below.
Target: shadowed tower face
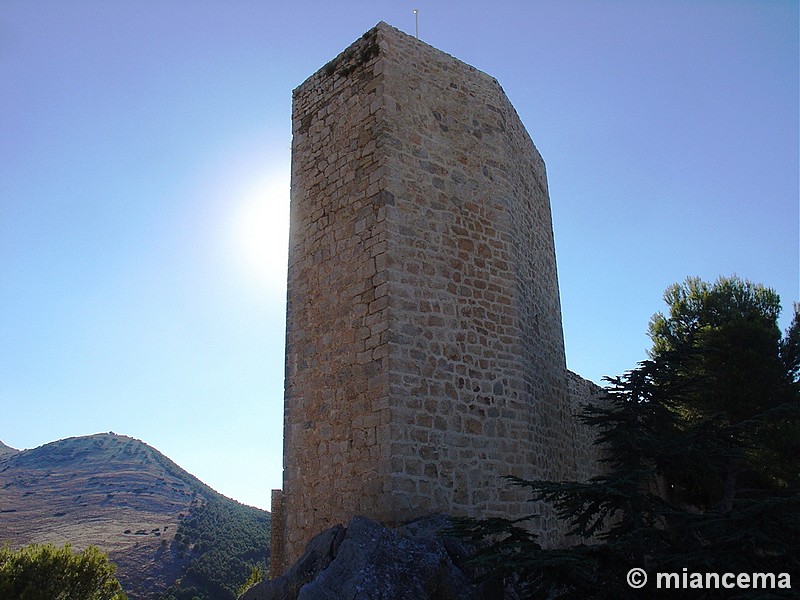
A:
(424, 348)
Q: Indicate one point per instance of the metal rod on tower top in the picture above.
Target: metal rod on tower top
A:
(416, 22)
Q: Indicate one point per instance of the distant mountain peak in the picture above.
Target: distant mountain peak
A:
(7, 449)
(127, 498)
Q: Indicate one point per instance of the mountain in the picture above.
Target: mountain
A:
(6, 449)
(169, 534)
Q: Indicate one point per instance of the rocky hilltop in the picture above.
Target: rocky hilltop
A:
(6, 449)
(116, 493)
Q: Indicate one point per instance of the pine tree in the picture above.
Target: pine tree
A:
(699, 468)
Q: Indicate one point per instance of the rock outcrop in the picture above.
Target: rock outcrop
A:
(369, 561)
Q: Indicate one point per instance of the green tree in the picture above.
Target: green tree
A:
(700, 458)
(46, 572)
(223, 541)
(726, 346)
(255, 577)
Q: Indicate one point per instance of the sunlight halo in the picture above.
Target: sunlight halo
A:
(259, 232)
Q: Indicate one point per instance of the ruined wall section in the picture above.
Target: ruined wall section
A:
(336, 401)
(581, 464)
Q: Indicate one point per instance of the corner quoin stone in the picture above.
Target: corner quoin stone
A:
(424, 348)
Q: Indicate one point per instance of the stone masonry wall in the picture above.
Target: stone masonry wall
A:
(477, 371)
(425, 355)
(581, 464)
(336, 400)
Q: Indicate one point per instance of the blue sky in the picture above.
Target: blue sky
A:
(144, 175)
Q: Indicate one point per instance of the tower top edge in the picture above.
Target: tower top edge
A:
(372, 38)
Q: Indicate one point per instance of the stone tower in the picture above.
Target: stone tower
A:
(424, 348)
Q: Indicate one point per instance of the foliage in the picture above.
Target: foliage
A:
(723, 342)
(224, 541)
(256, 575)
(700, 459)
(46, 572)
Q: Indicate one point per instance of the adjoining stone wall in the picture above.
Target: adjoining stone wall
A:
(425, 355)
(276, 542)
(581, 464)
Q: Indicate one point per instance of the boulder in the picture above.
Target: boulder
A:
(369, 561)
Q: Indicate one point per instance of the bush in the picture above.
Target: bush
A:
(45, 572)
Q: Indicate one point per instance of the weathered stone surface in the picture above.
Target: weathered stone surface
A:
(369, 561)
(424, 348)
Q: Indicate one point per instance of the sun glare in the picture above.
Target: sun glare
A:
(261, 232)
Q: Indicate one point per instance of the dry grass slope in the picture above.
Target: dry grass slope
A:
(107, 490)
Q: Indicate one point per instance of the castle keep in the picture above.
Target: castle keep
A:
(424, 347)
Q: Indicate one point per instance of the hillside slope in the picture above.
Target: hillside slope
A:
(119, 494)
(6, 449)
